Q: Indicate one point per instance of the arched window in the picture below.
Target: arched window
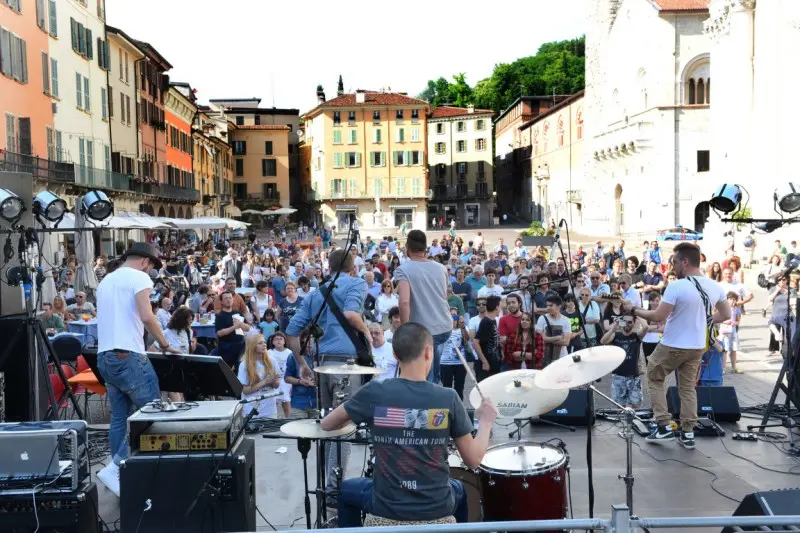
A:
(701, 91)
(690, 92)
(697, 82)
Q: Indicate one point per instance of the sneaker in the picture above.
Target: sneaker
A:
(737, 371)
(109, 476)
(660, 434)
(686, 439)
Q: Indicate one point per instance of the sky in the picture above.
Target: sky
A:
(279, 51)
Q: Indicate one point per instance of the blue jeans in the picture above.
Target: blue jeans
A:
(439, 341)
(356, 497)
(131, 382)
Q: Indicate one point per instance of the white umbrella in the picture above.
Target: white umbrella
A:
(281, 211)
(252, 212)
(49, 245)
(85, 278)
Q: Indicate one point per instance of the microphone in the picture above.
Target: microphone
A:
(557, 236)
(261, 397)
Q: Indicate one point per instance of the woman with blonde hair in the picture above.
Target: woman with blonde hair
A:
(60, 308)
(259, 374)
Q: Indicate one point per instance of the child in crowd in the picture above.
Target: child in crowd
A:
(281, 354)
(729, 333)
(304, 392)
(711, 366)
(259, 374)
(268, 323)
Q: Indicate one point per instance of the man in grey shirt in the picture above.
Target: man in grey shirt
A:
(422, 290)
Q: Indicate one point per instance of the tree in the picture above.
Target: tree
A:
(340, 87)
(429, 93)
(460, 91)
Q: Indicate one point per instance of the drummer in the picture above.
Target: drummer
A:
(411, 421)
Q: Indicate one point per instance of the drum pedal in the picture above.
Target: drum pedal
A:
(642, 428)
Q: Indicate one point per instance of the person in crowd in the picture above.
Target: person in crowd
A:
(232, 268)
(463, 289)
(51, 322)
(163, 314)
(455, 302)
(782, 299)
(729, 333)
(373, 288)
(626, 383)
(192, 274)
(654, 254)
(394, 323)
(599, 289)
(712, 372)
(555, 329)
(486, 342)
(386, 300)
(100, 268)
(519, 251)
(591, 314)
(289, 306)
(81, 306)
(476, 281)
(570, 310)
(304, 287)
(509, 322)
(231, 329)
(525, 348)
(422, 291)
(259, 375)
(268, 324)
(729, 283)
(237, 304)
(453, 372)
(60, 308)
(654, 329)
(261, 300)
(629, 293)
(382, 353)
(281, 355)
(490, 289)
(304, 392)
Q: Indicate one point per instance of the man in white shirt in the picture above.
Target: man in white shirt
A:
(435, 249)
(553, 317)
(629, 293)
(687, 307)
(271, 250)
(731, 285)
(81, 306)
(490, 289)
(382, 353)
(123, 301)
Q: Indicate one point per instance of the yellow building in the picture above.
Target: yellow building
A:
(213, 164)
(367, 157)
(261, 165)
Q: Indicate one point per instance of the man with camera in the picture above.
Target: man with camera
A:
(626, 383)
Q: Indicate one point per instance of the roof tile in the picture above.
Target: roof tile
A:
(681, 5)
(274, 127)
(451, 111)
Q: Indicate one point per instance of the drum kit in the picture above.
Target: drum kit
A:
(517, 480)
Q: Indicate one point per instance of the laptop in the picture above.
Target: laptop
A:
(29, 455)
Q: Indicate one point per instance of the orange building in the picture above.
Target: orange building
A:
(25, 103)
(179, 113)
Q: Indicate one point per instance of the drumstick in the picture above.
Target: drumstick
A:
(469, 371)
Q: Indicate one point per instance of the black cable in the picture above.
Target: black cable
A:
(148, 503)
(265, 519)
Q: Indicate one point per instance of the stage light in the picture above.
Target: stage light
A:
(787, 197)
(49, 206)
(726, 199)
(97, 206)
(11, 206)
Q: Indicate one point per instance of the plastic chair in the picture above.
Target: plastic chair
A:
(68, 372)
(82, 364)
(68, 349)
(58, 392)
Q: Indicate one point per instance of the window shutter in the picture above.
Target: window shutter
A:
(79, 90)
(25, 147)
(103, 102)
(40, 15)
(337, 136)
(54, 76)
(89, 40)
(53, 18)
(73, 33)
(86, 95)
(46, 73)
(408, 157)
(383, 159)
(23, 59)
(333, 188)
(358, 159)
(263, 167)
(128, 109)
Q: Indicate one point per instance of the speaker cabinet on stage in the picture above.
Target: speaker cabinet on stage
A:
(71, 512)
(782, 502)
(718, 403)
(171, 481)
(574, 411)
(25, 388)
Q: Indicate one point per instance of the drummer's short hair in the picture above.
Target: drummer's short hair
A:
(410, 340)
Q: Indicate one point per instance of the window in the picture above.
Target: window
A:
(45, 73)
(79, 90)
(377, 159)
(353, 159)
(337, 160)
(399, 158)
(53, 77)
(461, 146)
(11, 133)
(15, 5)
(59, 147)
(240, 121)
(239, 167)
(441, 148)
(416, 186)
(101, 9)
(268, 147)
(338, 188)
(82, 157)
(127, 72)
(461, 169)
(239, 147)
(51, 147)
(461, 126)
(480, 124)
(103, 54)
(439, 128)
(337, 118)
(416, 158)
(377, 187)
(399, 115)
(90, 156)
(121, 107)
(354, 188)
(269, 167)
(128, 109)
(703, 160)
(353, 134)
(351, 117)
(697, 84)
(104, 103)
(441, 172)
(481, 170)
(86, 98)
(414, 134)
(414, 116)
(401, 135)
(82, 42)
(401, 186)
(13, 56)
(107, 154)
(376, 116)
(376, 135)
(337, 136)
(41, 16)
(480, 145)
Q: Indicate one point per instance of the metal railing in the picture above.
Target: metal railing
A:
(96, 178)
(620, 522)
(45, 169)
(175, 192)
(261, 196)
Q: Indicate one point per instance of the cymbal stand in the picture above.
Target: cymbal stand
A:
(520, 424)
(304, 446)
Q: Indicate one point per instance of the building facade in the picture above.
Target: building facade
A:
(368, 159)
(648, 113)
(461, 166)
(553, 187)
(122, 97)
(213, 163)
(179, 115)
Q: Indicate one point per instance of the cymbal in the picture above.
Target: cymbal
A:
(580, 368)
(516, 395)
(349, 367)
(311, 429)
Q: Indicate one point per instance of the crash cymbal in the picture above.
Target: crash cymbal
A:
(311, 429)
(350, 367)
(580, 368)
(516, 395)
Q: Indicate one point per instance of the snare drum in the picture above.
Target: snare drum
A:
(524, 481)
(472, 488)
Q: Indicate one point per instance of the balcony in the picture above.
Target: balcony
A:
(460, 192)
(260, 198)
(40, 168)
(313, 196)
(95, 178)
(370, 195)
(225, 199)
(174, 192)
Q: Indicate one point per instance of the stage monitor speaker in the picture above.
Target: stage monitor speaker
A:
(574, 411)
(781, 502)
(56, 512)
(169, 482)
(22, 373)
(717, 403)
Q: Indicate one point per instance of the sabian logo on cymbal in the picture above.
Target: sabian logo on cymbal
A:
(511, 408)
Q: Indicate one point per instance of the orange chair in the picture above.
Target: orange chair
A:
(58, 392)
(82, 364)
(68, 372)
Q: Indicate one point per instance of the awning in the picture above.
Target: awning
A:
(233, 211)
(280, 211)
(208, 223)
(252, 212)
(122, 220)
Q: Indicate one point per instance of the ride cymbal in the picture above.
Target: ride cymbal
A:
(516, 395)
(580, 368)
(311, 429)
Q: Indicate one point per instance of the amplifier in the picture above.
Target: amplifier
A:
(208, 426)
(781, 502)
(574, 411)
(169, 483)
(65, 512)
(717, 403)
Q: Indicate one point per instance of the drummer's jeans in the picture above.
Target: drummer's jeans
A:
(660, 364)
(438, 347)
(131, 382)
(356, 497)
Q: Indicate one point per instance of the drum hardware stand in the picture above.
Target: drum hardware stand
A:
(304, 446)
(534, 420)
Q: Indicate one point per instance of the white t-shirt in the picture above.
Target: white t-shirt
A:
(485, 291)
(178, 339)
(266, 408)
(262, 304)
(388, 335)
(384, 359)
(733, 286)
(561, 320)
(163, 317)
(119, 325)
(686, 324)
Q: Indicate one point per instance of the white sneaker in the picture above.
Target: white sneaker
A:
(109, 476)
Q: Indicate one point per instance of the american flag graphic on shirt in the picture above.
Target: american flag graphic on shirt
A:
(390, 417)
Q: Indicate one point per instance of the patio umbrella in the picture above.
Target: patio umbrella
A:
(85, 279)
(251, 212)
(49, 246)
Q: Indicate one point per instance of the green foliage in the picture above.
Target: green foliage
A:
(743, 213)
(557, 68)
(534, 230)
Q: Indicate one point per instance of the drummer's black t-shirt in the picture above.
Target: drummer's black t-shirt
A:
(411, 423)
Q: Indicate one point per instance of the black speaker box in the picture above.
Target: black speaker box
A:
(574, 411)
(20, 368)
(717, 403)
(782, 502)
(171, 481)
(72, 512)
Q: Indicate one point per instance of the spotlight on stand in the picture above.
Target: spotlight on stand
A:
(787, 197)
(50, 207)
(11, 206)
(726, 199)
(769, 226)
(97, 206)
